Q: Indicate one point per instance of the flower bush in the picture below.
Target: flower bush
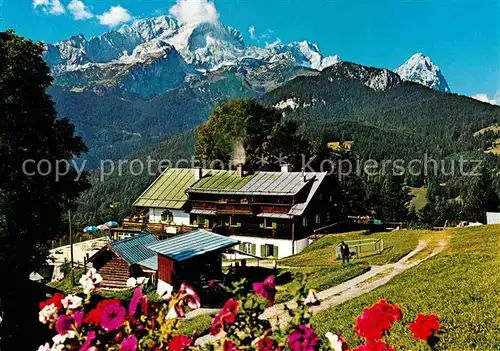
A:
(85, 323)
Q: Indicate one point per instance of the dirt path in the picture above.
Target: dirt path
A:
(374, 278)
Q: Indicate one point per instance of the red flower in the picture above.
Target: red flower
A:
(266, 344)
(266, 289)
(424, 326)
(179, 343)
(229, 346)
(303, 339)
(374, 345)
(94, 316)
(226, 316)
(377, 319)
(56, 299)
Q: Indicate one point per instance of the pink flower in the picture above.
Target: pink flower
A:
(266, 289)
(90, 337)
(191, 298)
(179, 343)
(134, 302)
(303, 339)
(145, 304)
(226, 316)
(113, 316)
(78, 317)
(229, 346)
(266, 344)
(64, 324)
(129, 344)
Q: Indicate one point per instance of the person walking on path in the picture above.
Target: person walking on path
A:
(344, 249)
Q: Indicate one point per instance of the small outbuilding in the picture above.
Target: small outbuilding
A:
(192, 257)
(122, 259)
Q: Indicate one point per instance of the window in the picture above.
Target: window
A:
(167, 216)
(318, 218)
(269, 250)
(304, 221)
(248, 248)
(320, 196)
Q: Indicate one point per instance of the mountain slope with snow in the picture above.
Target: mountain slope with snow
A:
(420, 69)
(105, 61)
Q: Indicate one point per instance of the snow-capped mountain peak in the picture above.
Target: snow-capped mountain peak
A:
(306, 54)
(420, 69)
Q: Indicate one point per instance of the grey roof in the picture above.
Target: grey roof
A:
(191, 244)
(134, 249)
(259, 183)
(298, 209)
(151, 262)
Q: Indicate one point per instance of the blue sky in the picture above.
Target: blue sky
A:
(462, 37)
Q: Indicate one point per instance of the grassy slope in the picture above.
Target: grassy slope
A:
(461, 285)
(420, 197)
(317, 263)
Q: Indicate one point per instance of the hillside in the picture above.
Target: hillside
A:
(371, 106)
(460, 285)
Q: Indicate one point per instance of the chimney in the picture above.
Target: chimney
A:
(286, 168)
(239, 170)
(198, 173)
(303, 176)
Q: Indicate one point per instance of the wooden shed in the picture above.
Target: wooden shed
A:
(191, 257)
(122, 259)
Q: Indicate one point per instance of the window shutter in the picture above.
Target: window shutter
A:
(241, 247)
(254, 248)
(275, 251)
(275, 225)
(262, 250)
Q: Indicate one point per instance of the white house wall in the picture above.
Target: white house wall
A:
(285, 247)
(180, 217)
(492, 217)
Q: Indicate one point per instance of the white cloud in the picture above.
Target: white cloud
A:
(273, 44)
(54, 7)
(495, 100)
(37, 3)
(114, 16)
(79, 10)
(251, 30)
(194, 11)
(57, 8)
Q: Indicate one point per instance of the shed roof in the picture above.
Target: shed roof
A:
(191, 244)
(134, 249)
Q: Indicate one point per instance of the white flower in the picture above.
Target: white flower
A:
(336, 343)
(45, 347)
(48, 314)
(72, 302)
(164, 290)
(311, 298)
(131, 282)
(89, 280)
